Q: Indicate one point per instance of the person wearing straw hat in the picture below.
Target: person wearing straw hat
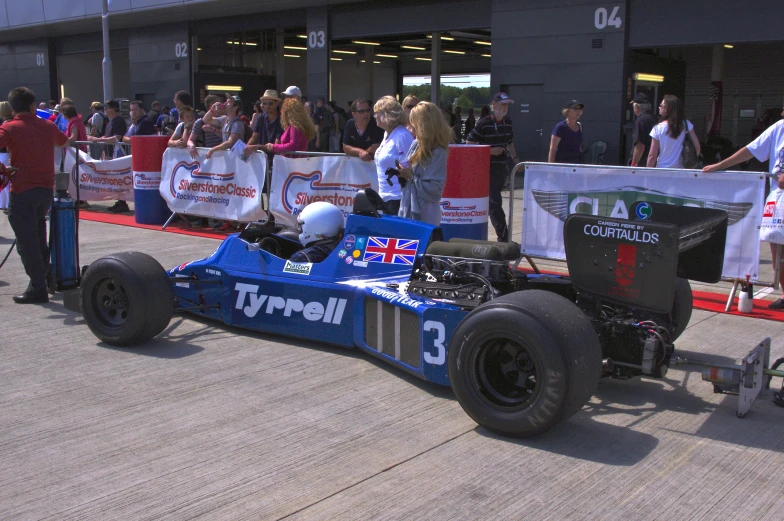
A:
(267, 128)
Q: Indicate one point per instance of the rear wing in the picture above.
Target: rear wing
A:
(636, 262)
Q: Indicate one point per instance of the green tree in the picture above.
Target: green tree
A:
(464, 102)
(477, 96)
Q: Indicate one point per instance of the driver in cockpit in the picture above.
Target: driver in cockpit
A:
(321, 226)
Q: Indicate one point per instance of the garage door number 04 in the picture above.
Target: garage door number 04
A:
(438, 343)
(601, 20)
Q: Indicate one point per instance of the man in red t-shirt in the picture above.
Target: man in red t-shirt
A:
(30, 141)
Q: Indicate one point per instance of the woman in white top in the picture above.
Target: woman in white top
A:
(397, 141)
(667, 136)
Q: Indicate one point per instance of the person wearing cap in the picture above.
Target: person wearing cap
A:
(641, 137)
(566, 142)
(293, 92)
(496, 130)
(226, 117)
(267, 128)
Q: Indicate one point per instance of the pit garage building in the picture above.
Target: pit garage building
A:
(724, 58)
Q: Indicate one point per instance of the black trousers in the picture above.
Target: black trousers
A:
(498, 178)
(27, 214)
(393, 206)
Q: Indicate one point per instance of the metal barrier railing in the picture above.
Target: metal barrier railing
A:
(104, 151)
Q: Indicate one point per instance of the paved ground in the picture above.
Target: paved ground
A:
(212, 422)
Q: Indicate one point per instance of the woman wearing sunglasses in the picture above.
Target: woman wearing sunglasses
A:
(397, 141)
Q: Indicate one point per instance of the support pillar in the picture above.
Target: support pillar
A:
(435, 69)
(318, 52)
(279, 67)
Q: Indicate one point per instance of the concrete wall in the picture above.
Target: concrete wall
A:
(82, 77)
(675, 22)
(27, 64)
(350, 80)
(154, 64)
(562, 49)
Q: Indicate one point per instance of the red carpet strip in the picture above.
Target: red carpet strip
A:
(128, 220)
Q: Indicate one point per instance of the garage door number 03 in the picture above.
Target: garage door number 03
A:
(438, 343)
(601, 20)
(317, 39)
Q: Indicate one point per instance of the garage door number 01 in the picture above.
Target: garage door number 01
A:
(602, 20)
(438, 343)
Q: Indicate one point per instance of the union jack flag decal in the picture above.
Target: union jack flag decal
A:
(391, 251)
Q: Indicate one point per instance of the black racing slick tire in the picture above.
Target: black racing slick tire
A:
(127, 298)
(681, 308)
(524, 362)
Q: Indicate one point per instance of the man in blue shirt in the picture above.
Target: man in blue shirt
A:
(142, 125)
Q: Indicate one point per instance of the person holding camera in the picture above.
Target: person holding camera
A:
(424, 168)
(397, 142)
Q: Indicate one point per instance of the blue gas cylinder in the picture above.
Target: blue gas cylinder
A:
(63, 245)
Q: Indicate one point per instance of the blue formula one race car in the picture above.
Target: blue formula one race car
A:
(522, 351)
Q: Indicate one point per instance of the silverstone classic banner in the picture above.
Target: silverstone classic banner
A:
(224, 186)
(553, 192)
(297, 182)
(98, 180)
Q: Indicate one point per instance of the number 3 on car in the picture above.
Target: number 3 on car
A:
(437, 344)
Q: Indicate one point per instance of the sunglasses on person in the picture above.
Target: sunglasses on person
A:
(268, 103)
(362, 111)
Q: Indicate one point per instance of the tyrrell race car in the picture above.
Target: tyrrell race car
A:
(522, 350)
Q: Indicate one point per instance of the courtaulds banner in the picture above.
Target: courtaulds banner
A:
(110, 180)
(223, 187)
(553, 192)
(297, 182)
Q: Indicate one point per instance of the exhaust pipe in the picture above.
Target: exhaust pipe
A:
(607, 365)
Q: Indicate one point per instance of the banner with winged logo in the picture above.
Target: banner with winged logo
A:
(297, 182)
(553, 192)
(109, 180)
(224, 186)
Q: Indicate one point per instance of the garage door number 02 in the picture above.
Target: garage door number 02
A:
(438, 343)
(601, 20)
(181, 49)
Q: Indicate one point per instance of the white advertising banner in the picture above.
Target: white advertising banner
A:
(297, 182)
(224, 186)
(110, 180)
(553, 192)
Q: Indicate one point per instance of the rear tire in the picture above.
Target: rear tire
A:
(127, 298)
(524, 362)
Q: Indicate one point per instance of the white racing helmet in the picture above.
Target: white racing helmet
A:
(318, 221)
